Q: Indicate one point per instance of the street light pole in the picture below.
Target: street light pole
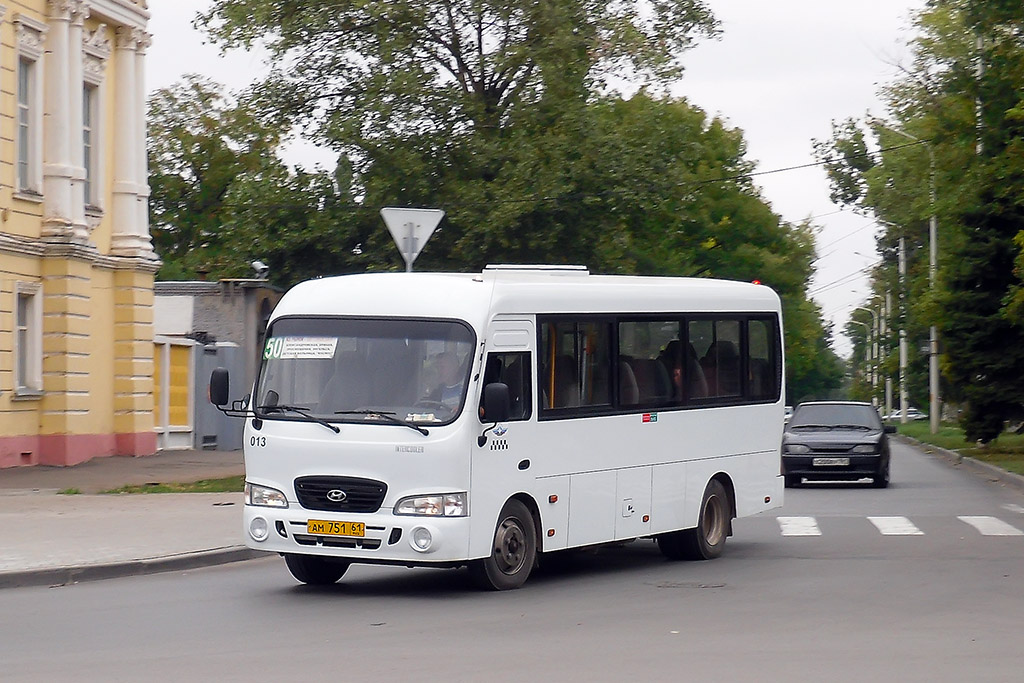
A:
(867, 347)
(934, 402)
(875, 331)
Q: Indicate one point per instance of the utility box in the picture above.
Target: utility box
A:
(214, 429)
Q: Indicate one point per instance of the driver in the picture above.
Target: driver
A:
(449, 387)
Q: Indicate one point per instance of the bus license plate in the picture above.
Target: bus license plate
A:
(321, 527)
(831, 462)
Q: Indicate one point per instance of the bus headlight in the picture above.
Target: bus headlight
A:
(439, 505)
(264, 496)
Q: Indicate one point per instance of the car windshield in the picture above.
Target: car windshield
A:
(835, 416)
(388, 372)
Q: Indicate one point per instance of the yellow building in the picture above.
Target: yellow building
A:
(76, 259)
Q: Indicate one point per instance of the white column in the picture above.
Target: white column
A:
(124, 238)
(142, 168)
(57, 165)
(79, 13)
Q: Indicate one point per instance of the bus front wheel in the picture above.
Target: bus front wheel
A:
(513, 551)
(315, 571)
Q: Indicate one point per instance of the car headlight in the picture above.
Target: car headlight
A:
(796, 448)
(439, 505)
(865, 448)
(264, 496)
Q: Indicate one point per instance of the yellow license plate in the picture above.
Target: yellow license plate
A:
(321, 527)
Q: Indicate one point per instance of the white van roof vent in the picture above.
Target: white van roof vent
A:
(553, 269)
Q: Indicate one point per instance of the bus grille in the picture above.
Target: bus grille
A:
(360, 495)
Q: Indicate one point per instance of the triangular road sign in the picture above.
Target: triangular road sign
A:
(411, 228)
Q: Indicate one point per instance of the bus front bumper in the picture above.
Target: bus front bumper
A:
(383, 538)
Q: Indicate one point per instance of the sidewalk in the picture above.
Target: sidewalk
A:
(48, 538)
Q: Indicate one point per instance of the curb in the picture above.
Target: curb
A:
(63, 576)
(993, 474)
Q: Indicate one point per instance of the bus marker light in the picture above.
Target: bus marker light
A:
(552, 498)
(647, 518)
(551, 532)
(767, 499)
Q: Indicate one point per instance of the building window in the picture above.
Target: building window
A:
(28, 339)
(89, 103)
(28, 145)
(26, 129)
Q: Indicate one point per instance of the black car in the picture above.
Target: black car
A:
(833, 440)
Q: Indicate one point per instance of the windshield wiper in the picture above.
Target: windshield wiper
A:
(864, 427)
(388, 416)
(298, 410)
(810, 426)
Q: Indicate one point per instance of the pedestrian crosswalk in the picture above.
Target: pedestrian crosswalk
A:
(900, 526)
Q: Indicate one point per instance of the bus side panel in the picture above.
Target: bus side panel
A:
(554, 516)
(591, 507)
(668, 511)
(633, 498)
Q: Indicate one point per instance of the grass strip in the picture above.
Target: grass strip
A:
(224, 485)
(1006, 452)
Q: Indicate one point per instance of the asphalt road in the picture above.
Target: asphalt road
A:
(923, 581)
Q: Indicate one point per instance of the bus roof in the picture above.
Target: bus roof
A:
(518, 290)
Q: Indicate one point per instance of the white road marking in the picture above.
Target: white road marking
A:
(1013, 507)
(991, 526)
(799, 526)
(895, 526)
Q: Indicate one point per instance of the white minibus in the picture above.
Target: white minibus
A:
(488, 420)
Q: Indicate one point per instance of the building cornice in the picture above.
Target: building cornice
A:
(121, 12)
(34, 248)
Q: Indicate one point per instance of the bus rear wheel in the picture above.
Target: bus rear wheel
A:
(513, 552)
(316, 571)
(707, 540)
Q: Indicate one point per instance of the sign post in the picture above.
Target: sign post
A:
(411, 228)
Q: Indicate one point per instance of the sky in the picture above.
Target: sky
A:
(782, 71)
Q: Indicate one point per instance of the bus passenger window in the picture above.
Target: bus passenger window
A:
(512, 369)
(718, 344)
(762, 376)
(574, 365)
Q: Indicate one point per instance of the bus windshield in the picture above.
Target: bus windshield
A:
(364, 370)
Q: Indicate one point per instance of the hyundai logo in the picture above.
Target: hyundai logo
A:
(337, 496)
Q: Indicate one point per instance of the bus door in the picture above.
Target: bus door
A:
(503, 458)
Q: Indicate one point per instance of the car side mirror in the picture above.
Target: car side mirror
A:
(497, 402)
(890, 429)
(219, 384)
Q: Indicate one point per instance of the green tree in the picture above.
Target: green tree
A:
(199, 145)
(970, 121)
(500, 114)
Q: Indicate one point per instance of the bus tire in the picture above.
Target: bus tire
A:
(707, 540)
(670, 546)
(315, 571)
(513, 552)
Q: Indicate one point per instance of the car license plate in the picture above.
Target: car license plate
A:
(321, 527)
(831, 462)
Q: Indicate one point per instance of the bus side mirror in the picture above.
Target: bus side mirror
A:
(219, 387)
(497, 402)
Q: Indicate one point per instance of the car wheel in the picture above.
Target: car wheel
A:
(793, 481)
(881, 480)
(315, 571)
(513, 551)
